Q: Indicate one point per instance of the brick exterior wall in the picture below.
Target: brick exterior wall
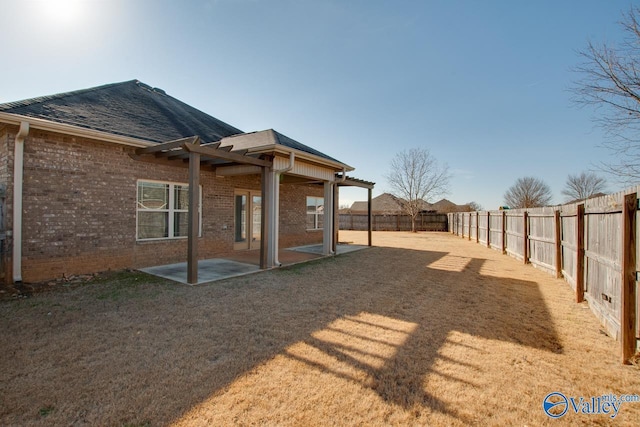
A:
(79, 207)
(293, 221)
(6, 183)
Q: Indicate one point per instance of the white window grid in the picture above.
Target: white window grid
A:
(170, 210)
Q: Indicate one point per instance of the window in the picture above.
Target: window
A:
(163, 210)
(315, 213)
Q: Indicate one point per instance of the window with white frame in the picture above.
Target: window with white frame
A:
(315, 213)
(163, 210)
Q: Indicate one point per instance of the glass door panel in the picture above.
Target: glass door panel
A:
(256, 215)
(247, 220)
(240, 222)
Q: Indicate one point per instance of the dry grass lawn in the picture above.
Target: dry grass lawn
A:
(424, 329)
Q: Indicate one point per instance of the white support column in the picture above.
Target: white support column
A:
(272, 196)
(327, 235)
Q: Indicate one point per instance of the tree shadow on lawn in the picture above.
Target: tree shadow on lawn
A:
(154, 360)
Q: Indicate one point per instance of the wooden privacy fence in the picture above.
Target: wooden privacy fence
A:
(393, 222)
(592, 245)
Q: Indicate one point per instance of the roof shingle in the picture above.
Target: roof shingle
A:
(136, 110)
(130, 108)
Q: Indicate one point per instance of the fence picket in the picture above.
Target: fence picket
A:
(592, 245)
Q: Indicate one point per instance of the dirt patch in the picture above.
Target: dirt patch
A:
(424, 329)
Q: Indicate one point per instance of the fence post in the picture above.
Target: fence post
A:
(477, 226)
(489, 229)
(558, 223)
(369, 214)
(469, 225)
(628, 320)
(580, 253)
(504, 232)
(525, 236)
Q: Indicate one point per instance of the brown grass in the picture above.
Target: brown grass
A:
(425, 329)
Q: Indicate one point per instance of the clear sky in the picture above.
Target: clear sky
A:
(481, 84)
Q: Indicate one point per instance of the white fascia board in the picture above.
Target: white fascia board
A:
(302, 155)
(47, 125)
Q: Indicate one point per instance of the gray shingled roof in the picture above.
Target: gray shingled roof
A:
(292, 143)
(129, 108)
(136, 110)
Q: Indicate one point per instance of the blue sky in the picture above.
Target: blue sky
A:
(482, 84)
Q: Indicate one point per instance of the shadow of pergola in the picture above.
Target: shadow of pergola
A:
(387, 336)
(168, 357)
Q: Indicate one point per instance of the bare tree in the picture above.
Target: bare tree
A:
(610, 81)
(583, 186)
(415, 177)
(474, 206)
(528, 192)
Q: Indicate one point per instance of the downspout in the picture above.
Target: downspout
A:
(292, 160)
(328, 234)
(276, 207)
(18, 167)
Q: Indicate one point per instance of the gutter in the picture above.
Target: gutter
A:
(343, 178)
(292, 160)
(47, 125)
(281, 149)
(18, 167)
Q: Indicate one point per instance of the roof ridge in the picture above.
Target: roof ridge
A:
(39, 99)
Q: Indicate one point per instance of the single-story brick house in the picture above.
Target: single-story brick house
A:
(103, 178)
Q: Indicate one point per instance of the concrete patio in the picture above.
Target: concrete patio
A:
(241, 263)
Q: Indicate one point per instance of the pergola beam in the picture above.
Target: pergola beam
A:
(226, 155)
(352, 182)
(178, 143)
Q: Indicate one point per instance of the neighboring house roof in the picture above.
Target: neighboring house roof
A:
(385, 204)
(137, 110)
(446, 206)
(389, 204)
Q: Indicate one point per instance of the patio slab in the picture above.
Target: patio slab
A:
(209, 270)
(241, 262)
(317, 249)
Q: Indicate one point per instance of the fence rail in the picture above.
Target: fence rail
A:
(592, 245)
(424, 222)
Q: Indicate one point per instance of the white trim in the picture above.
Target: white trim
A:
(170, 211)
(316, 214)
(303, 155)
(47, 125)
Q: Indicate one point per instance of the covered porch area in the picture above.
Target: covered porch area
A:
(276, 159)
